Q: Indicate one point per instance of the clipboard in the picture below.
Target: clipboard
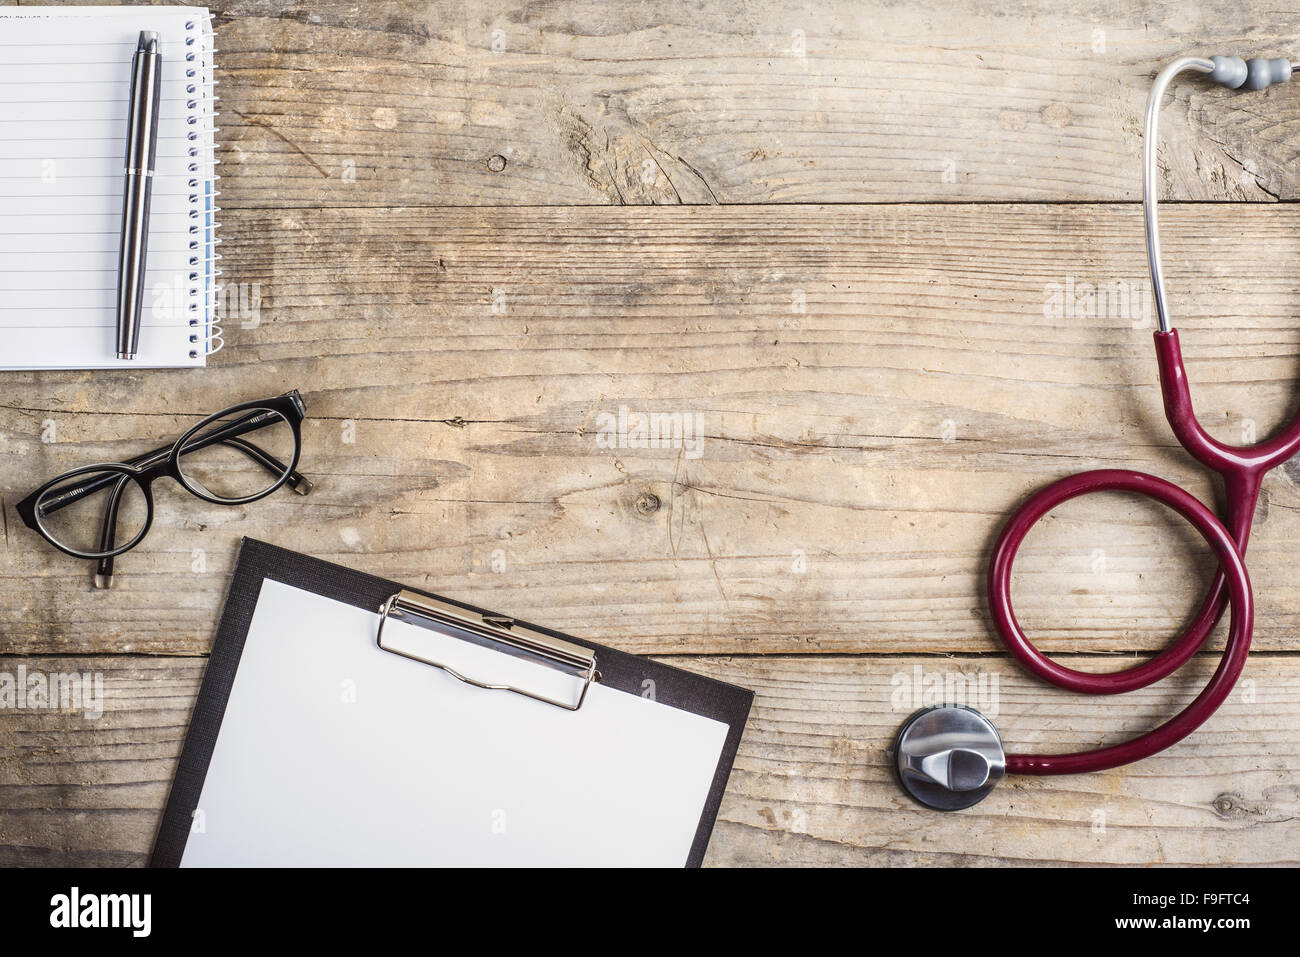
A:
(580, 678)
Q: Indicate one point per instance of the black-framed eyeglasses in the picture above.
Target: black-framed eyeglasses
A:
(234, 457)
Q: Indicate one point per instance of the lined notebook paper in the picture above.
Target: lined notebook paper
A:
(65, 79)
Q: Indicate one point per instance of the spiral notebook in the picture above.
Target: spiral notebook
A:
(65, 77)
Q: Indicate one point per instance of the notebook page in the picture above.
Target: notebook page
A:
(333, 752)
(64, 90)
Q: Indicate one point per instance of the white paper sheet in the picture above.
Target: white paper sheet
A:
(333, 752)
(65, 78)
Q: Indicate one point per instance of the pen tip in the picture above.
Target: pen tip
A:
(149, 41)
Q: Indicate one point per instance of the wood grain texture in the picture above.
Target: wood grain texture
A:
(857, 457)
(459, 102)
(813, 783)
(737, 102)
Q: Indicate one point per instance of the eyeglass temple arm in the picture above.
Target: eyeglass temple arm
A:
(107, 533)
(108, 530)
(297, 480)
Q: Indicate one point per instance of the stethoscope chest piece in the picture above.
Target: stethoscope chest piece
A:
(949, 757)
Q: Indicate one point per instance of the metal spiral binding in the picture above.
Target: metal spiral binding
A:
(201, 87)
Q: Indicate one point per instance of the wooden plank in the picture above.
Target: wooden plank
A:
(812, 784)
(857, 458)
(468, 104)
(461, 102)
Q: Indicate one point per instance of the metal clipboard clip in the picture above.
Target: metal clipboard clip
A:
(495, 632)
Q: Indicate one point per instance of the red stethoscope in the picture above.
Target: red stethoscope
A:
(951, 756)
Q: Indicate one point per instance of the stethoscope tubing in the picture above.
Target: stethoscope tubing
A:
(1242, 470)
(1240, 599)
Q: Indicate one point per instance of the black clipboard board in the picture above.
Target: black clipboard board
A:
(259, 561)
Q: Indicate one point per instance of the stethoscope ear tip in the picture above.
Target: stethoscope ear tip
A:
(949, 757)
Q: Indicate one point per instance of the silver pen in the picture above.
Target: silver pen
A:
(141, 153)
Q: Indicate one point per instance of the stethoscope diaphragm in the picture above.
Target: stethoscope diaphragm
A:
(949, 757)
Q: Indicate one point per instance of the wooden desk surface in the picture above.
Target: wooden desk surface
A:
(855, 241)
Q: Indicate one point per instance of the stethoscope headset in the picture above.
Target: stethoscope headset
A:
(951, 756)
